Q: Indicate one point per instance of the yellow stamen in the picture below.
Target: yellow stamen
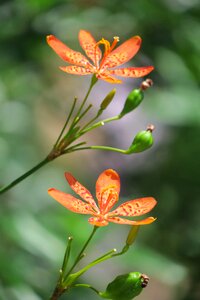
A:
(116, 40)
(108, 47)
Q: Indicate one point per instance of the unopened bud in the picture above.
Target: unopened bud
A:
(107, 99)
(133, 100)
(125, 287)
(132, 235)
(142, 141)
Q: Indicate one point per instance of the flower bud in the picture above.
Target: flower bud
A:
(132, 235)
(133, 100)
(107, 99)
(142, 141)
(125, 287)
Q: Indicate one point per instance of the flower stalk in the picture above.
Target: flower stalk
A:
(67, 281)
(75, 131)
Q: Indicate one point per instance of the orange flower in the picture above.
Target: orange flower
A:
(98, 65)
(107, 193)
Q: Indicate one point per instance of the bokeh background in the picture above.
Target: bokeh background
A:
(34, 99)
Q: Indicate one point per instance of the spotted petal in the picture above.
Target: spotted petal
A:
(79, 189)
(90, 46)
(98, 221)
(71, 202)
(107, 77)
(67, 54)
(76, 70)
(135, 207)
(107, 190)
(132, 72)
(123, 53)
(118, 220)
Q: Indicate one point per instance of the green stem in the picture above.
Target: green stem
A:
(91, 121)
(124, 250)
(100, 123)
(25, 175)
(81, 252)
(66, 123)
(86, 286)
(53, 156)
(62, 284)
(102, 258)
(73, 148)
(72, 277)
(84, 113)
(96, 125)
(76, 118)
(66, 256)
(107, 148)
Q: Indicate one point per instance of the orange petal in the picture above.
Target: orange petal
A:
(106, 77)
(118, 220)
(107, 190)
(71, 202)
(76, 70)
(123, 53)
(90, 46)
(97, 222)
(135, 207)
(132, 72)
(81, 190)
(67, 54)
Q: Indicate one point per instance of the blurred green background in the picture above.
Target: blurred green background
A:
(34, 99)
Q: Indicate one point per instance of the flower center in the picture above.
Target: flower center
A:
(108, 47)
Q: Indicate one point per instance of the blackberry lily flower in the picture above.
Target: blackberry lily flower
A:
(97, 64)
(107, 193)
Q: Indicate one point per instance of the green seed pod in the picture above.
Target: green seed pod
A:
(142, 141)
(125, 287)
(133, 100)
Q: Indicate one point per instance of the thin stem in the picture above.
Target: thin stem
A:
(124, 250)
(84, 112)
(59, 289)
(83, 131)
(76, 275)
(81, 252)
(86, 286)
(66, 123)
(73, 148)
(91, 121)
(25, 175)
(53, 156)
(99, 124)
(96, 125)
(107, 148)
(76, 118)
(66, 256)
(104, 256)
